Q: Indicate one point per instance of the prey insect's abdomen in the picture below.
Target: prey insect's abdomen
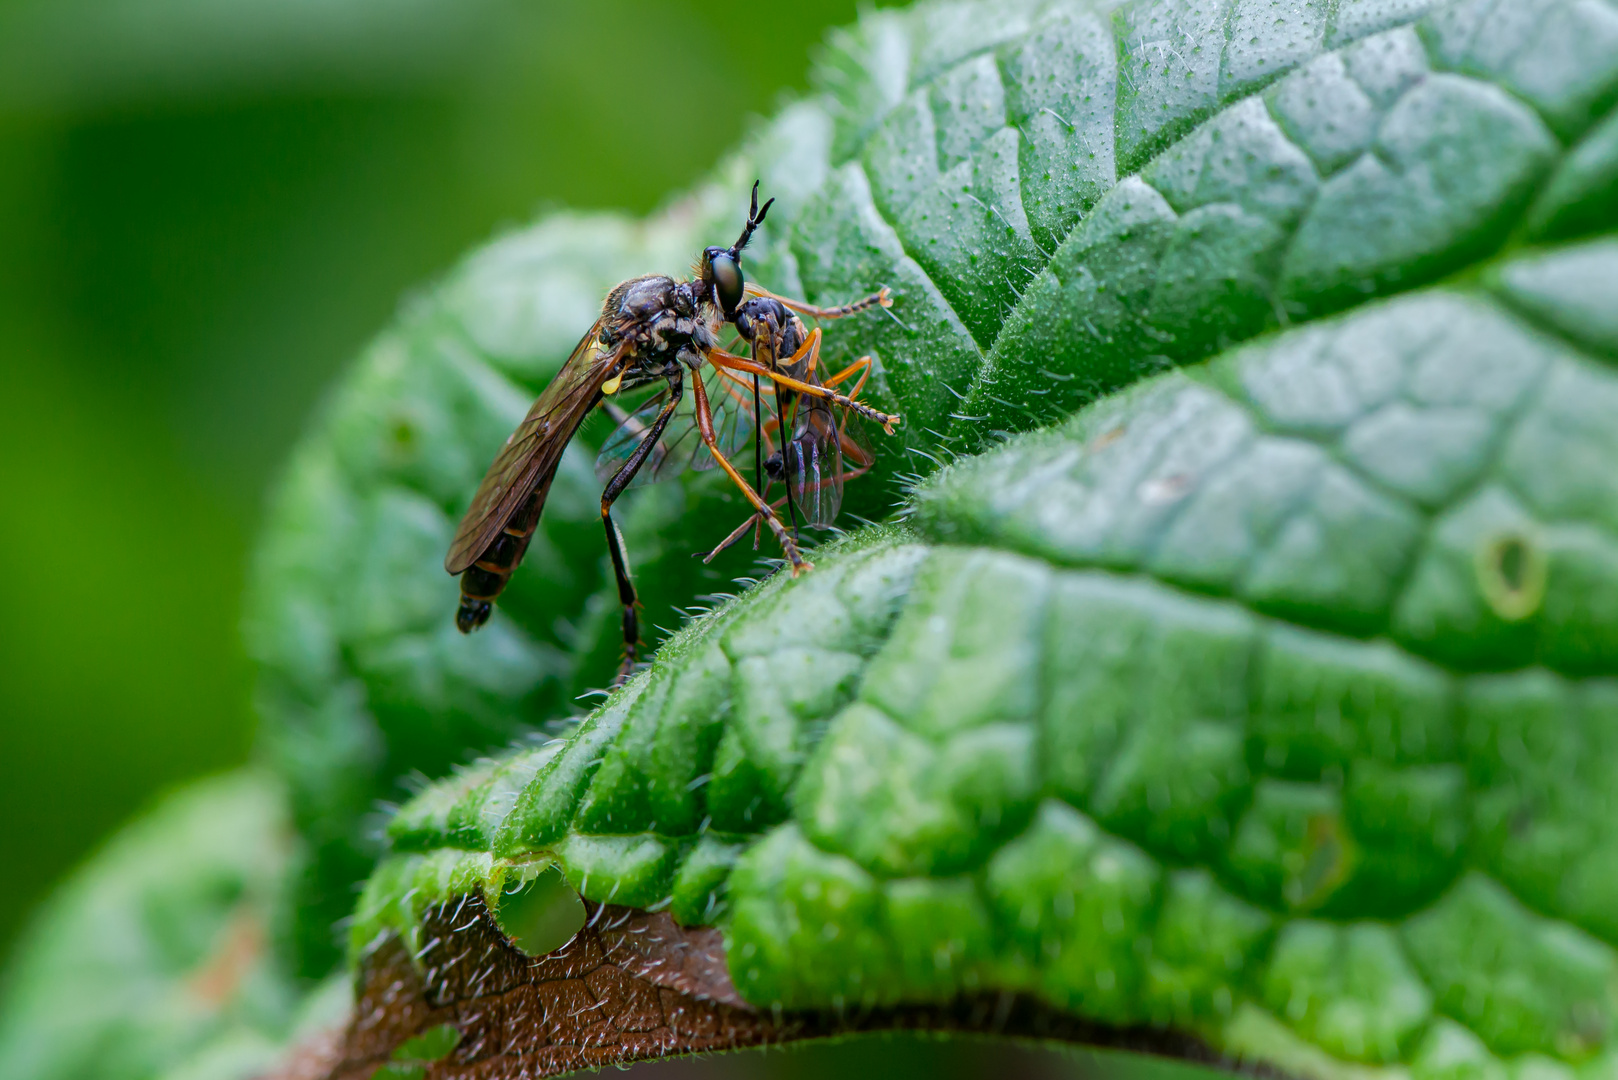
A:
(487, 576)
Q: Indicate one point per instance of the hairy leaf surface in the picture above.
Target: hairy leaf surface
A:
(1265, 702)
(153, 960)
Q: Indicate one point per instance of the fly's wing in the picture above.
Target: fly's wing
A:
(528, 460)
(631, 431)
(813, 462)
(681, 448)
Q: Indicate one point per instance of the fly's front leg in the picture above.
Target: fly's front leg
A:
(810, 352)
(860, 367)
(723, 359)
(615, 540)
(705, 429)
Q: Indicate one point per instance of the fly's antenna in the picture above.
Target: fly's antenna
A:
(755, 218)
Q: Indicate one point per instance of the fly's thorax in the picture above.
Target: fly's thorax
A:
(642, 298)
(687, 298)
(703, 338)
(671, 332)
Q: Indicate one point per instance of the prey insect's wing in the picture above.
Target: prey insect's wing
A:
(812, 460)
(528, 460)
(855, 442)
(681, 446)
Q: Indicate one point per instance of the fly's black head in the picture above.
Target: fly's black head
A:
(722, 267)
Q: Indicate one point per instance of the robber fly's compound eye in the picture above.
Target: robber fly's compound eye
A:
(727, 280)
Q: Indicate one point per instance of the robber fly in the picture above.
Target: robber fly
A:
(812, 455)
(651, 328)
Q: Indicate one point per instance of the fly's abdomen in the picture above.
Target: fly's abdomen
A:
(487, 576)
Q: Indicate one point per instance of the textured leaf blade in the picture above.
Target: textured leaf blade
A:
(1214, 711)
(1384, 512)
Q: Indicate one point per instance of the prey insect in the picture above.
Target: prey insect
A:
(652, 328)
(808, 441)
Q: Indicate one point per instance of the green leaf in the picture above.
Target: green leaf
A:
(1260, 701)
(152, 960)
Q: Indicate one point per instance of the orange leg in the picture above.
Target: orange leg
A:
(722, 359)
(812, 347)
(739, 532)
(705, 429)
(850, 448)
(862, 366)
(752, 521)
(802, 307)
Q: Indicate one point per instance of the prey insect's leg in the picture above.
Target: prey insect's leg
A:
(722, 359)
(705, 429)
(811, 349)
(752, 520)
(862, 367)
(736, 534)
(879, 298)
(615, 541)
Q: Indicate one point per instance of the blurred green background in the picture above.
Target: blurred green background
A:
(206, 207)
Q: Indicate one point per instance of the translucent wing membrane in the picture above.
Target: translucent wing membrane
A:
(827, 447)
(730, 401)
(528, 460)
(812, 464)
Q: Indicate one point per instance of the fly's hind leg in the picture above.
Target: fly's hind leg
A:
(615, 540)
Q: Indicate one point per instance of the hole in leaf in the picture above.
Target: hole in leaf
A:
(1511, 571)
(430, 1045)
(1512, 562)
(541, 915)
